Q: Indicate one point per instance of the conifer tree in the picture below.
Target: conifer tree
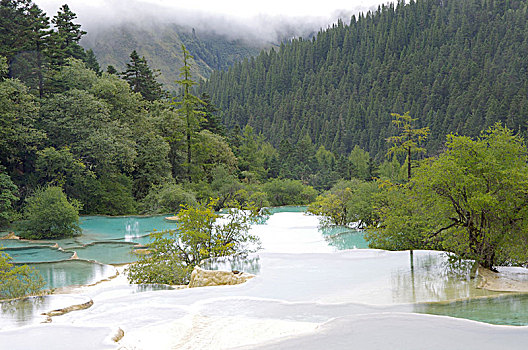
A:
(65, 39)
(91, 62)
(189, 106)
(408, 141)
(211, 121)
(141, 78)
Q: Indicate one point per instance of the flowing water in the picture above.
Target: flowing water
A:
(312, 290)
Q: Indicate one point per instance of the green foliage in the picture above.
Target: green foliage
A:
(4, 67)
(402, 219)
(362, 164)
(408, 141)
(19, 135)
(332, 207)
(8, 197)
(346, 203)
(110, 195)
(49, 214)
(167, 198)
(18, 281)
(288, 192)
(58, 167)
(210, 151)
(471, 200)
(200, 236)
(392, 170)
(142, 79)
(79, 119)
(224, 186)
(152, 166)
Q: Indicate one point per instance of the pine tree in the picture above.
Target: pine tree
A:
(211, 121)
(64, 41)
(141, 78)
(111, 70)
(188, 107)
(91, 62)
(408, 141)
(24, 34)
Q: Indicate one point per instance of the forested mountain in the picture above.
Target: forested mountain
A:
(77, 138)
(457, 65)
(160, 44)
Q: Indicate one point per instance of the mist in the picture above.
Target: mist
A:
(234, 20)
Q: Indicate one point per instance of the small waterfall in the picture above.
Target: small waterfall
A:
(131, 229)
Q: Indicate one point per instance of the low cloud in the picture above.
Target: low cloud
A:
(96, 15)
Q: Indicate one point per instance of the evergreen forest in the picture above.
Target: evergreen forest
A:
(457, 65)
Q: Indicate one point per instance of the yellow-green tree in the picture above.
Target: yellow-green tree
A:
(408, 141)
(200, 235)
(17, 281)
(189, 107)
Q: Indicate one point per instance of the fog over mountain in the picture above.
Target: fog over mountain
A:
(269, 21)
(217, 33)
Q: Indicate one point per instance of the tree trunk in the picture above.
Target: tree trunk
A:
(409, 164)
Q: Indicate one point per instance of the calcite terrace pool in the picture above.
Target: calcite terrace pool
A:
(314, 289)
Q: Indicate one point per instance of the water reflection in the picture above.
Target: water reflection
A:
(140, 288)
(434, 277)
(108, 252)
(249, 264)
(37, 254)
(22, 312)
(503, 310)
(342, 237)
(73, 272)
(131, 229)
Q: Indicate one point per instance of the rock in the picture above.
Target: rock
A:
(10, 235)
(119, 335)
(172, 218)
(65, 310)
(204, 278)
(141, 251)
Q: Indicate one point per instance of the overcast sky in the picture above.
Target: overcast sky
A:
(219, 15)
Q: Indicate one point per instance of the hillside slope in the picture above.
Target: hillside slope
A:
(161, 46)
(457, 65)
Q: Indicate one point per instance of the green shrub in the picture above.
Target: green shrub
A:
(167, 198)
(8, 191)
(289, 192)
(110, 195)
(17, 281)
(49, 214)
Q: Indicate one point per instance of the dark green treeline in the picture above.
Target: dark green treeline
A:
(457, 65)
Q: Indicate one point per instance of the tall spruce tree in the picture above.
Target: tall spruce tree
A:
(24, 35)
(188, 107)
(142, 79)
(65, 39)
